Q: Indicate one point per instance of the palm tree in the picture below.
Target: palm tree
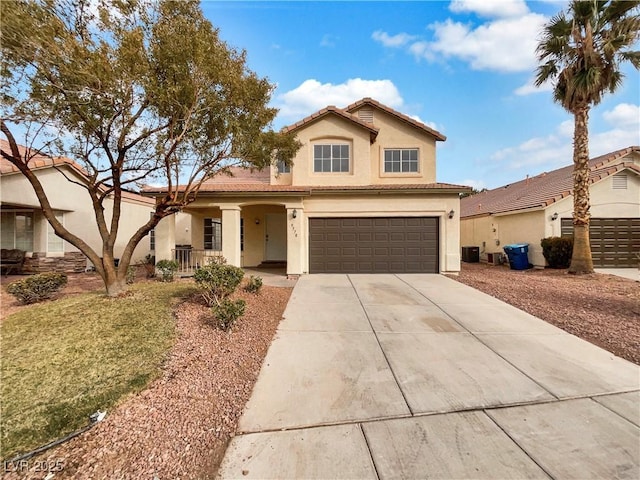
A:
(580, 52)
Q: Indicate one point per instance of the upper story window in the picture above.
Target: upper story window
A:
(404, 160)
(283, 167)
(331, 158)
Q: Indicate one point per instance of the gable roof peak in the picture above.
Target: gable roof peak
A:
(546, 188)
(401, 116)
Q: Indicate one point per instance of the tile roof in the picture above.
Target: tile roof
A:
(40, 161)
(395, 113)
(241, 175)
(544, 189)
(332, 110)
(37, 161)
(259, 188)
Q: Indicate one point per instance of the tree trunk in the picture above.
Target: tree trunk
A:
(114, 283)
(581, 261)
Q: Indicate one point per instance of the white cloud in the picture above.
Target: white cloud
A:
(311, 95)
(504, 45)
(624, 114)
(556, 149)
(530, 88)
(506, 42)
(392, 41)
(490, 8)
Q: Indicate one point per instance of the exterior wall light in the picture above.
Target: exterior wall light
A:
(451, 214)
(257, 221)
(554, 216)
(294, 214)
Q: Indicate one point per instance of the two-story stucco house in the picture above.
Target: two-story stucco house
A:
(360, 196)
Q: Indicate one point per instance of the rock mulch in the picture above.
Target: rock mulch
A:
(179, 427)
(602, 309)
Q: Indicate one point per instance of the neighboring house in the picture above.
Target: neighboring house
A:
(542, 206)
(24, 226)
(360, 196)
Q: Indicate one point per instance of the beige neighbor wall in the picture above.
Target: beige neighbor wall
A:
(526, 227)
(492, 232)
(79, 218)
(390, 205)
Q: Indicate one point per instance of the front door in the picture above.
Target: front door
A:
(276, 237)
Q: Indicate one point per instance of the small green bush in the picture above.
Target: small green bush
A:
(217, 281)
(253, 285)
(227, 312)
(168, 269)
(37, 287)
(557, 251)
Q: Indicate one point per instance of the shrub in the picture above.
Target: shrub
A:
(227, 312)
(557, 251)
(131, 274)
(253, 285)
(149, 264)
(37, 287)
(217, 281)
(168, 269)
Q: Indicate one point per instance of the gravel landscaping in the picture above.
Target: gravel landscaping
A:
(603, 309)
(180, 426)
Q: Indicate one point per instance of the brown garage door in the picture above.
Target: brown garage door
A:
(373, 245)
(615, 242)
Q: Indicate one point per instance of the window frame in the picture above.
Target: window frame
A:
(15, 234)
(282, 167)
(329, 147)
(215, 234)
(401, 161)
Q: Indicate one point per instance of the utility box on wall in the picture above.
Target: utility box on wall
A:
(471, 254)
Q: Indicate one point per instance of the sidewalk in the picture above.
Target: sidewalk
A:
(406, 376)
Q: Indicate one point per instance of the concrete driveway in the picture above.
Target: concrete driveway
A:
(419, 376)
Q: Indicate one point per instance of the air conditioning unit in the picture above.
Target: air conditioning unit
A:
(471, 254)
(496, 258)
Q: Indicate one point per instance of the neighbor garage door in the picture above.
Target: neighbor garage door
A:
(373, 245)
(615, 242)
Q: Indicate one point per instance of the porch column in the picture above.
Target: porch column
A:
(165, 234)
(231, 234)
(295, 240)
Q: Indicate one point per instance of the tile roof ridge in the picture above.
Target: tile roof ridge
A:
(335, 110)
(391, 111)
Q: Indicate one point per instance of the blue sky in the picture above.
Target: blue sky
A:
(464, 67)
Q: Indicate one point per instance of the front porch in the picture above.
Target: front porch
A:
(247, 235)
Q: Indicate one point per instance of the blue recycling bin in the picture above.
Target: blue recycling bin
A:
(517, 254)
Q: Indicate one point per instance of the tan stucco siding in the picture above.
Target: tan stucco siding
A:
(492, 233)
(367, 159)
(332, 129)
(395, 133)
(609, 203)
(79, 218)
(523, 228)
